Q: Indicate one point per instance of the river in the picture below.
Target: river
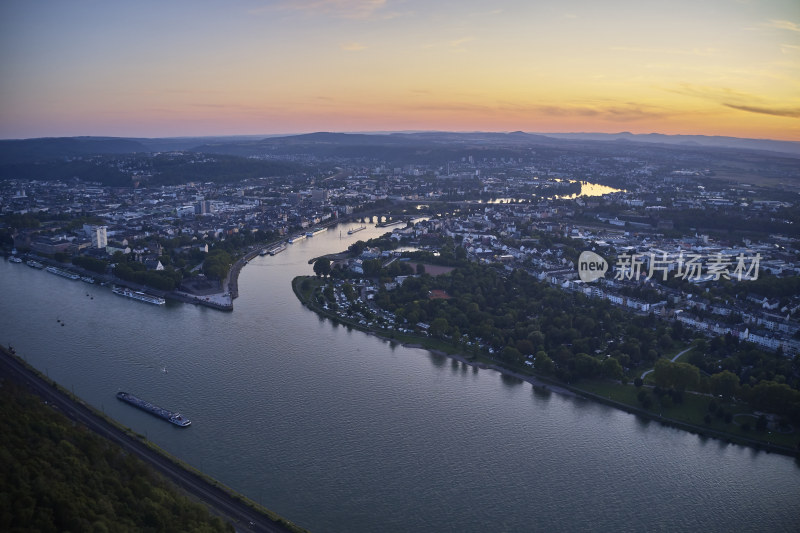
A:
(340, 431)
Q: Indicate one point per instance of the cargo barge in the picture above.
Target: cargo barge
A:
(169, 416)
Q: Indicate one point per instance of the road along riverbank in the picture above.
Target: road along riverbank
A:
(237, 509)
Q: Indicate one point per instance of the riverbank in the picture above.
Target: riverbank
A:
(536, 381)
(431, 345)
(218, 300)
(701, 430)
(546, 383)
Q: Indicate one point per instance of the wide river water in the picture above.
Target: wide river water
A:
(340, 431)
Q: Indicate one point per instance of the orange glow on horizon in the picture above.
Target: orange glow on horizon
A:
(711, 69)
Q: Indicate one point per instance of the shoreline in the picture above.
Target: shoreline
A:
(540, 383)
(535, 381)
(175, 295)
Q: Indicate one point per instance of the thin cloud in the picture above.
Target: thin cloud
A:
(616, 113)
(352, 47)
(452, 107)
(484, 14)
(458, 42)
(624, 112)
(454, 43)
(717, 94)
(783, 25)
(561, 111)
(738, 100)
(231, 107)
(152, 92)
(774, 111)
(350, 9)
(667, 51)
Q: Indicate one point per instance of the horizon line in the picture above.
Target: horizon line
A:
(391, 132)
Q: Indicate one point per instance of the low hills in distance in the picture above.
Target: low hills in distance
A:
(787, 147)
(117, 161)
(48, 148)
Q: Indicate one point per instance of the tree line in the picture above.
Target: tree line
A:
(520, 319)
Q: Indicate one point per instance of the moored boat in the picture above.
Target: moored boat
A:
(138, 295)
(277, 249)
(63, 273)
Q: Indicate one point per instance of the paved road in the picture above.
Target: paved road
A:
(240, 515)
(673, 360)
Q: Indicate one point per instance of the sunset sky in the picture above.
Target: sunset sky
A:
(194, 67)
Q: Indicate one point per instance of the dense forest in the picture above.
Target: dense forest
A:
(90, 171)
(151, 169)
(518, 317)
(171, 169)
(55, 476)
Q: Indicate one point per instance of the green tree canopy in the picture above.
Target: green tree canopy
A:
(322, 267)
(611, 368)
(217, 263)
(725, 383)
(680, 376)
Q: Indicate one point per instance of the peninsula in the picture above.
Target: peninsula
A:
(490, 316)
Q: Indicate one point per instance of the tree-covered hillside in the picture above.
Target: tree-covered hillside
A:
(154, 169)
(55, 476)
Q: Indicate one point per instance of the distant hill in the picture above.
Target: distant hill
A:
(48, 149)
(164, 161)
(433, 146)
(479, 137)
(786, 147)
(296, 143)
(238, 157)
(171, 144)
(332, 143)
(323, 143)
(395, 138)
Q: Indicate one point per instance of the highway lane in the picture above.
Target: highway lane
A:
(239, 514)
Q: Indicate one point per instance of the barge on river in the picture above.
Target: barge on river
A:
(169, 416)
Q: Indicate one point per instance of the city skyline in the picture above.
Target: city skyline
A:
(726, 67)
